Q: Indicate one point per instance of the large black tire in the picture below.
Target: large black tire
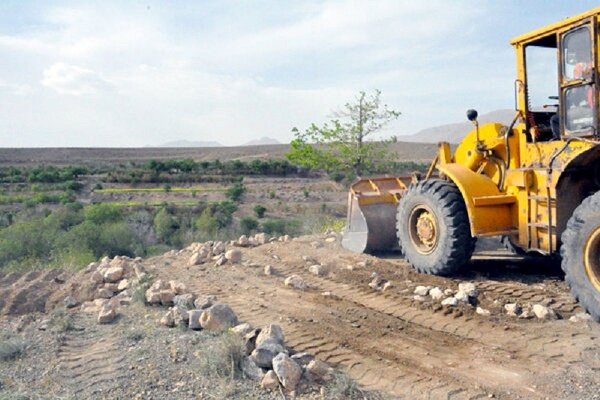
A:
(453, 246)
(577, 243)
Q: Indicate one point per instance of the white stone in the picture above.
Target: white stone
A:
(270, 381)
(113, 274)
(69, 302)
(196, 259)
(468, 288)
(270, 332)
(194, 319)
(287, 370)
(107, 314)
(295, 281)
(234, 255)
(419, 298)
(218, 318)
(512, 309)
(268, 270)
(422, 290)
(242, 329)
(450, 301)
(243, 241)
(580, 317)
(316, 269)
(436, 293)
(543, 312)
(123, 284)
(251, 370)
(462, 296)
(482, 311)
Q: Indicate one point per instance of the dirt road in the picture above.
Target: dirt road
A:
(410, 349)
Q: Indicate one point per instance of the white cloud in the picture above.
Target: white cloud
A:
(128, 76)
(72, 80)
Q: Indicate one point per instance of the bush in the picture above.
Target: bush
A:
(223, 358)
(235, 192)
(260, 210)
(167, 187)
(61, 321)
(103, 213)
(248, 224)
(281, 227)
(206, 222)
(11, 348)
(165, 225)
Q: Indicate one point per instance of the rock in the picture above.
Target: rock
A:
(483, 311)
(113, 274)
(450, 301)
(269, 270)
(204, 303)
(270, 332)
(419, 298)
(180, 315)
(270, 381)
(309, 259)
(462, 296)
(316, 269)
(104, 293)
(184, 300)
(178, 287)
(468, 288)
(251, 370)
(436, 293)
(512, 309)
(303, 358)
(97, 278)
(152, 296)
(327, 293)
(218, 248)
(330, 239)
(166, 297)
(286, 238)
(543, 312)
(295, 281)
(243, 241)
(195, 259)
(319, 370)
(377, 282)
(221, 260)
(123, 284)
(234, 255)
(139, 271)
(218, 317)
(316, 245)
(580, 317)
(261, 238)
(422, 290)
(69, 302)
(250, 341)
(264, 353)
(194, 319)
(386, 286)
(242, 329)
(448, 292)
(107, 314)
(526, 314)
(287, 370)
(168, 320)
(362, 264)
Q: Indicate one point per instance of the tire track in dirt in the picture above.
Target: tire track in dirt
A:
(427, 371)
(89, 362)
(22, 293)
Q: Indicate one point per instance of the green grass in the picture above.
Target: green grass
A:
(159, 189)
(152, 203)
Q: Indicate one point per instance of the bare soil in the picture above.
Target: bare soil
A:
(387, 341)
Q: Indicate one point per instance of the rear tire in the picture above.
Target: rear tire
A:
(580, 253)
(433, 227)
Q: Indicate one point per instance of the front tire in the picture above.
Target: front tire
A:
(580, 253)
(433, 227)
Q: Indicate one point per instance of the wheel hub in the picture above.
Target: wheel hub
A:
(591, 258)
(423, 229)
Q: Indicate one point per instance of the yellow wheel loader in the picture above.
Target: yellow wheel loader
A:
(535, 182)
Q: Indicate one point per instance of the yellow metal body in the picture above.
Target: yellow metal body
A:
(513, 184)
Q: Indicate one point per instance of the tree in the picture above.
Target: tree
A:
(260, 210)
(343, 144)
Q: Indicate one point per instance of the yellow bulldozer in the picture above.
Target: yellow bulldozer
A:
(535, 182)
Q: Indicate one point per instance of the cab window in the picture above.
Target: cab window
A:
(577, 54)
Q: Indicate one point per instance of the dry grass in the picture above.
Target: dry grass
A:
(12, 348)
(222, 357)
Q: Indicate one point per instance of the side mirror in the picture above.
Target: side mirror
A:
(472, 115)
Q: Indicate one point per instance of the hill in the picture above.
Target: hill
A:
(453, 133)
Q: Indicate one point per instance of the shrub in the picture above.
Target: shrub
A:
(165, 225)
(98, 186)
(11, 348)
(248, 224)
(235, 192)
(206, 222)
(223, 358)
(306, 192)
(167, 187)
(61, 321)
(281, 227)
(260, 210)
(103, 213)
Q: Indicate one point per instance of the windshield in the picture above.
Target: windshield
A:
(577, 54)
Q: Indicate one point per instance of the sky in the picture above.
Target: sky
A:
(138, 73)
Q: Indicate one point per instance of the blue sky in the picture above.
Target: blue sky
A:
(136, 73)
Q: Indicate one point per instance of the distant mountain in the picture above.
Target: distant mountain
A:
(191, 143)
(454, 133)
(262, 141)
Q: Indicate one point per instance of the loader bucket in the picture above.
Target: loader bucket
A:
(371, 223)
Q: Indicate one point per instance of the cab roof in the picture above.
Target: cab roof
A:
(538, 33)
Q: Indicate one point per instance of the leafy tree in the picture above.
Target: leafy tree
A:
(260, 210)
(102, 213)
(343, 144)
(236, 191)
(165, 225)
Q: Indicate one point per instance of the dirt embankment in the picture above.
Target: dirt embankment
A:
(406, 345)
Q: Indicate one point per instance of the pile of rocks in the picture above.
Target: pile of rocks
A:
(466, 294)
(111, 281)
(379, 283)
(224, 252)
(528, 311)
(268, 360)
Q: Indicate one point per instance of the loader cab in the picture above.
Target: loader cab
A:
(557, 80)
